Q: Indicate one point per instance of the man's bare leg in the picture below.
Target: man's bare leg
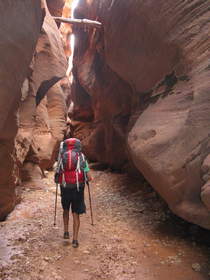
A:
(66, 223)
(76, 225)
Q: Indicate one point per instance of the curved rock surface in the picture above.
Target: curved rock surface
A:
(18, 36)
(44, 101)
(141, 92)
(56, 7)
(33, 114)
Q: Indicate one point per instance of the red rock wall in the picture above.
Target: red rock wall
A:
(18, 37)
(40, 91)
(33, 102)
(144, 82)
(66, 29)
(56, 7)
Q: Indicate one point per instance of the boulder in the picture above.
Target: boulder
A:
(31, 172)
(145, 78)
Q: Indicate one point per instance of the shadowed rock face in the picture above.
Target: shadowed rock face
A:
(43, 108)
(144, 82)
(18, 36)
(56, 7)
(32, 102)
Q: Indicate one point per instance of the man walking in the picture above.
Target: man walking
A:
(72, 172)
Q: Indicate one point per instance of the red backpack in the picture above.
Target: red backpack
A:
(72, 162)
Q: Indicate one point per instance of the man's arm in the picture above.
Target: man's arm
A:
(87, 171)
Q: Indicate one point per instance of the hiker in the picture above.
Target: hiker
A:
(71, 173)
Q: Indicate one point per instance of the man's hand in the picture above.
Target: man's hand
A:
(89, 177)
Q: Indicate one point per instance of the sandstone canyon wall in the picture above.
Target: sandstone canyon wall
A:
(141, 95)
(33, 101)
(19, 34)
(42, 112)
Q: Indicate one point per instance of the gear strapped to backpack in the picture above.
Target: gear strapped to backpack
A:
(71, 163)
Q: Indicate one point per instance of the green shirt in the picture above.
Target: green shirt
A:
(86, 169)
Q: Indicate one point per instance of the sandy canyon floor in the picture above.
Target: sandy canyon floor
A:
(135, 236)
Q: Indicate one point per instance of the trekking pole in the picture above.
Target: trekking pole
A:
(57, 171)
(56, 195)
(91, 210)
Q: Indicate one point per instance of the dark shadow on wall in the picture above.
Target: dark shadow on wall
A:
(44, 87)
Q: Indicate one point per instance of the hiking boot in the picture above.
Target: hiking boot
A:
(66, 235)
(75, 244)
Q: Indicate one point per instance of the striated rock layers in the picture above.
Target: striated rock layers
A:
(141, 92)
(42, 112)
(19, 34)
(33, 108)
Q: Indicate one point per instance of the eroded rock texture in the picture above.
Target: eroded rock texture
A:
(43, 102)
(18, 36)
(56, 7)
(66, 29)
(33, 103)
(141, 91)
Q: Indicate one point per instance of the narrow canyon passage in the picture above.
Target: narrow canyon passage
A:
(134, 237)
(130, 80)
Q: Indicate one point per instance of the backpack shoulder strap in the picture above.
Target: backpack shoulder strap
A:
(83, 156)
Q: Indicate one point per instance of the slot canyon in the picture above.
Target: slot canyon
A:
(135, 90)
